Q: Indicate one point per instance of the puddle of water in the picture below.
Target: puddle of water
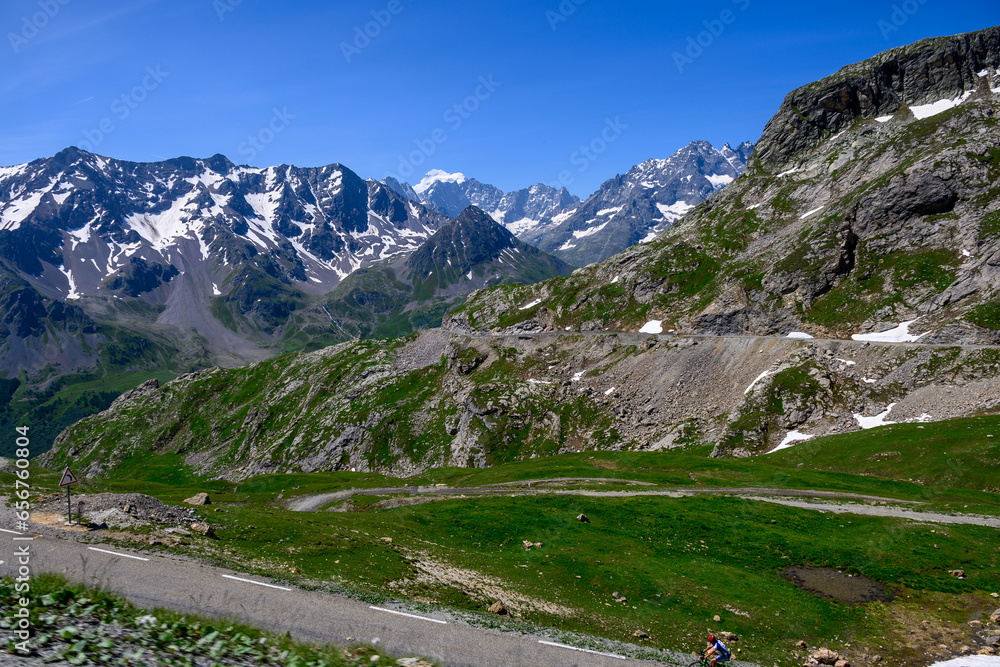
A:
(832, 583)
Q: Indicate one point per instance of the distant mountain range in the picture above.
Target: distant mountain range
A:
(110, 268)
(519, 211)
(627, 209)
(212, 262)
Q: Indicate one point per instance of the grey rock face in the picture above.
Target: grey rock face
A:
(404, 189)
(198, 248)
(633, 391)
(83, 225)
(446, 197)
(927, 71)
(628, 209)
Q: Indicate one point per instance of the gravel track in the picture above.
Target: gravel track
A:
(778, 496)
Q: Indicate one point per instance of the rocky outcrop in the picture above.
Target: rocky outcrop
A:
(927, 71)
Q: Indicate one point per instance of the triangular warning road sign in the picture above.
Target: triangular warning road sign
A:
(67, 478)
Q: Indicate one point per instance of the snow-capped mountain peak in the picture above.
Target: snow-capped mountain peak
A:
(79, 224)
(437, 176)
(637, 206)
(522, 211)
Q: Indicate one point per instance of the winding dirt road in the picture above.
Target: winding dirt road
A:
(788, 497)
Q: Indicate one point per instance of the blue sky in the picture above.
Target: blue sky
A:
(266, 82)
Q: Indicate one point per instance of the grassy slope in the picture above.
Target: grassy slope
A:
(954, 453)
(294, 401)
(58, 404)
(678, 561)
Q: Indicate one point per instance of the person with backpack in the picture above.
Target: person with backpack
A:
(717, 651)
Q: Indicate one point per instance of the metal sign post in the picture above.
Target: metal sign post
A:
(68, 478)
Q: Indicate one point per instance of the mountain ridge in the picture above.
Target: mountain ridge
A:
(656, 193)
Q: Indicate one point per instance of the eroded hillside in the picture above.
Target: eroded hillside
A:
(437, 399)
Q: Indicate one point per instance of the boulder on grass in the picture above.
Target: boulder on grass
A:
(498, 608)
(204, 529)
(199, 499)
(825, 656)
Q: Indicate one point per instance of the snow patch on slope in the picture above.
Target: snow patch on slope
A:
(674, 211)
(934, 108)
(652, 327)
(589, 232)
(900, 334)
(756, 380)
(719, 180)
(878, 420)
(73, 294)
(791, 438)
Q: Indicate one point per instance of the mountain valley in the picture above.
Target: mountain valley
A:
(724, 393)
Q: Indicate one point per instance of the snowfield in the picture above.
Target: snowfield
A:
(652, 327)
(792, 438)
(900, 334)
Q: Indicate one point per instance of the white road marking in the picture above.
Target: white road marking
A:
(584, 650)
(259, 583)
(115, 553)
(400, 613)
(12, 532)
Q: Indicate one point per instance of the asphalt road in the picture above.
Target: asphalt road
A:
(151, 581)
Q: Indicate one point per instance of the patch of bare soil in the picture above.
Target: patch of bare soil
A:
(53, 520)
(474, 584)
(832, 583)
